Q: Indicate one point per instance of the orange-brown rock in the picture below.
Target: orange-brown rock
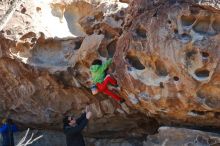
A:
(167, 61)
(165, 58)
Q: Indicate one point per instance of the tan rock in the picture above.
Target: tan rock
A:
(165, 59)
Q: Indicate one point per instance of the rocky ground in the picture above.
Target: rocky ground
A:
(166, 136)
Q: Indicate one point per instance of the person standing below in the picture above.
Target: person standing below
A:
(73, 127)
(7, 130)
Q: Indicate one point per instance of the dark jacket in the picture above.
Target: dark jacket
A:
(73, 134)
(7, 134)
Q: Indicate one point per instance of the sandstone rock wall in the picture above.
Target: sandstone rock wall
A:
(165, 58)
(170, 51)
(44, 76)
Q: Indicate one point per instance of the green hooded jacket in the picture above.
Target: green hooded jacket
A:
(98, 71)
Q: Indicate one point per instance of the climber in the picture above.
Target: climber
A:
(7, 130)
(101, 80)
(72, 128)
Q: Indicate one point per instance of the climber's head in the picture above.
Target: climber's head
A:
(97, 62)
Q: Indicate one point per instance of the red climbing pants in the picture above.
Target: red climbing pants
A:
(103, 87)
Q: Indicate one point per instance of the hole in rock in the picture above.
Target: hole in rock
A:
(33, 40)
(200, 113)
(160, 68)
(176, 31)
(202, 73)
(185, 38)
(20, 33)
(8, 32)
(175, 78)
(135, 62)
(77, 45)
(216, 24)
(140, 31)
(23, 10)
(111, 48)
(161, 85)
(169, 21)
(187, 20)
(202, 26)
(38, 9)
(121, 13)
(205, 55)
(191, 54)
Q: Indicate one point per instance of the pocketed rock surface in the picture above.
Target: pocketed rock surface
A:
(165, 59)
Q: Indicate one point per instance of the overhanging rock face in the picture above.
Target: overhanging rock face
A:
(44, 74)
(165, 58)
(168, 61)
